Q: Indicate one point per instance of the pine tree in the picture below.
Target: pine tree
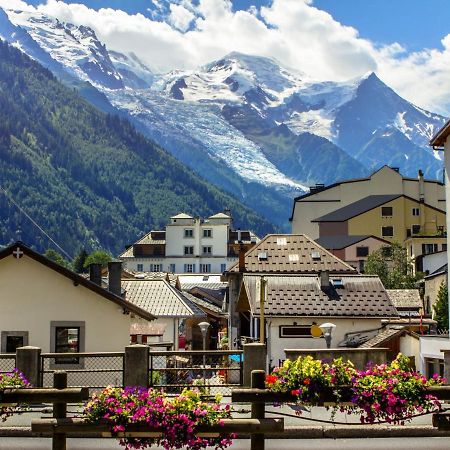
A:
(441, 307)
(98, 257)
(78, 262)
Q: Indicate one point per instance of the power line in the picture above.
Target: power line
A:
(9, 197)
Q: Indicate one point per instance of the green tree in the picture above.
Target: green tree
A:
(392, 266)
(79, 260)
(56, 257)
(441, 307)
(98, 257)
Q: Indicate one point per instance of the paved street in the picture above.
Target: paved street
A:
(309, 444)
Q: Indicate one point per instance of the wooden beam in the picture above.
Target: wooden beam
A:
(76, 425)
(40, 395)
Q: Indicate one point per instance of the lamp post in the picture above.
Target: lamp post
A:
(204, 329)
(327, 329)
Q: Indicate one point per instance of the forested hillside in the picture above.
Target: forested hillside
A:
(88, 178)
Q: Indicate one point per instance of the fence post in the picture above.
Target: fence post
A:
(255, 358)
(28, 361)
(59, 410)
(258, 408)
(136, 370)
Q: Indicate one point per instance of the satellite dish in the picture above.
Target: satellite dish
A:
(316, 332)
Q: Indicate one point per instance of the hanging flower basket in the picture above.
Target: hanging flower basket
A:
(10, 380)
(391, 393)
(176, 417)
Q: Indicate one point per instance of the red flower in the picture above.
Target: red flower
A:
(271, 379)
(306, 381)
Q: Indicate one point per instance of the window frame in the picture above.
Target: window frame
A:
(6, 334)
(414, 211)
(361, 247)
(81, 325)
(207, 231)
(387, 235)
(139, 267)
(186, 253)
(203, 266)
(188, 233)
(207, 247)
(383, 210)
(281, 335)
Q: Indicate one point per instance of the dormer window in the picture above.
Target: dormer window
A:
(337, 282)
(262, 256)
(315, 256)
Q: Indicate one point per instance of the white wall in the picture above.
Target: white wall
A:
(32, 295)
(430, 347)
(277, 345)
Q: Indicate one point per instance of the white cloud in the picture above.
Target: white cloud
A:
(292, 31)
(180, 17)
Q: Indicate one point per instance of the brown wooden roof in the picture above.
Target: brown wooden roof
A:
(291, 253)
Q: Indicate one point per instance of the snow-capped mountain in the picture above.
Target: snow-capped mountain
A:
(249, 125)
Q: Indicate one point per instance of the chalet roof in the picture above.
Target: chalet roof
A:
(291, 253)
(160, 299)
(207, 281)
(438, 140)
(356, 208)
(77, 279)
(220, 215)
(339, 242)
(182, 216)
(301, 295)
(405, 298)
(383, 337)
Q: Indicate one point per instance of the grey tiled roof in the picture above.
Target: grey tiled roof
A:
(384, 336)
(203, 303)
(159, 298)
(291, 253)
(356, 208)
(301, 295)
(405, 298)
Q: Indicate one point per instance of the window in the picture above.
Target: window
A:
(10, 340)
(291, 331)
(188, 232)
(415, 229)
(429, 248)
(362, 251)
(387, 231)
(205, 268)
(416, 211)
(140, 267)
(172, 268)
(189, 250)
(156, 268)
(207, 233)
(189, 268)
(386, 211)
(223, 267)
(207, 249)
(444, 247)
(67, 337)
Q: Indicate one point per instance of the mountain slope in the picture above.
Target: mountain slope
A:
(88, 178)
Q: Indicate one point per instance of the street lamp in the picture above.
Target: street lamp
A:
(204, 329)
(327, 329)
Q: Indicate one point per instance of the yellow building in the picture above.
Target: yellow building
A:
(322, 200)
(394, 218)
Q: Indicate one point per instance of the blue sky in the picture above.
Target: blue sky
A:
(416, 24)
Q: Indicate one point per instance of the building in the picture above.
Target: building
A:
(46, 305)
(176, 316)
(189, 245)
(305, 286)
(394, 218)
(432, 284)
(421, 250)
(407, 302)
(406, 193)
(354, 250)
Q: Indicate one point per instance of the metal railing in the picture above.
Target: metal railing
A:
(214, 371)
(92, 370)
(7, 362)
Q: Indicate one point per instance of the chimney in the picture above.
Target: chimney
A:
(241, 258)
(114, 277)
(421, 187)
(324, 276)
(239, 237)
(95, 273)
